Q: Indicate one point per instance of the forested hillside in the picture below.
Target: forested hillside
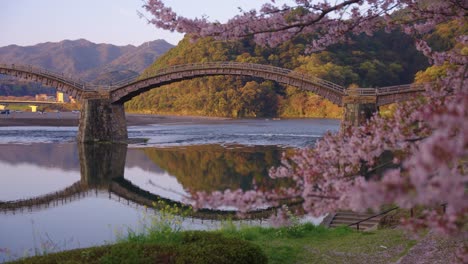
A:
(381, 60)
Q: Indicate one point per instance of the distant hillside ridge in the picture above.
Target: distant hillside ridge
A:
(84, 59)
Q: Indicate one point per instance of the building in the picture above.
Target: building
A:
(60, 97)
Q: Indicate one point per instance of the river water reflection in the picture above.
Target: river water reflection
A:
(54, 193)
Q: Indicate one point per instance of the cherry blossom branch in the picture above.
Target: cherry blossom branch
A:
(430, 136)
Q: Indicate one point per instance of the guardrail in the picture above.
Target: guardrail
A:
(371, 217)
(444, 206)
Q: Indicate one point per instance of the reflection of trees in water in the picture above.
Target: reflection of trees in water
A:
(213, 167)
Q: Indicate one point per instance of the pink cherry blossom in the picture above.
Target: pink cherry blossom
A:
(428, 138)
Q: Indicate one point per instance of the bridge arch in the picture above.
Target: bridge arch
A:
(326, 89)
(64, 84)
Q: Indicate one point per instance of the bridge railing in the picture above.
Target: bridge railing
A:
(41, 71)
(361, 92)
(66, 79)
(240, 66)
(401, 88)
(385, 90)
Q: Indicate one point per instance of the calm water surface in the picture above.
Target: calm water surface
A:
(58, 195)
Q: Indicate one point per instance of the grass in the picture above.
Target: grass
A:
(311, 244)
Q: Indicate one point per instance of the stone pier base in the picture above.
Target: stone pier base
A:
(358, 108)
(102, 121)
(357, 114)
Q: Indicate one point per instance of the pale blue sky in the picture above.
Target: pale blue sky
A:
(28, 22)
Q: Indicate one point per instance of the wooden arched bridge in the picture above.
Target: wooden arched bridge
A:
(103, 116)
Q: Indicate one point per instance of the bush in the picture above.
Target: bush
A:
(202, 247)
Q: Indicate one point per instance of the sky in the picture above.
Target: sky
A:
(29, 22)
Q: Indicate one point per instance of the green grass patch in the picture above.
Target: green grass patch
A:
(315, 244)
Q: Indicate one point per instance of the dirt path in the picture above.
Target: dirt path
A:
(433, 249)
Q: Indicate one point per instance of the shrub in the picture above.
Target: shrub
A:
(202, 247)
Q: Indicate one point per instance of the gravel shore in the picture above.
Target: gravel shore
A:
(71, 119)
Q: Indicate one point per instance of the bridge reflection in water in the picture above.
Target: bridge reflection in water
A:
(202, 168)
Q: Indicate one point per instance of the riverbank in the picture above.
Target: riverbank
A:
(303, 243)
(71, 119)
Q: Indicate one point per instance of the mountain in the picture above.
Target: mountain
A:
(87, 60)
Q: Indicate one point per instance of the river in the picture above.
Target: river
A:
(55, 195)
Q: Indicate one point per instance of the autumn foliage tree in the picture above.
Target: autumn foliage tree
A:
(428, 137)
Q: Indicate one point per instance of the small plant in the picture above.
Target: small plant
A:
(294, 227)
(163, 226)
(87, 254)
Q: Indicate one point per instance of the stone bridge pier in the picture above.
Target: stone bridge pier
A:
(102, 121)
(358, 109)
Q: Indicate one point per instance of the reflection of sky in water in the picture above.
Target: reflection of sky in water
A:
(162, 184)
(27, 180)
(91, 221)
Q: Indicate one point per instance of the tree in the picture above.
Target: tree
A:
(428, 137)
